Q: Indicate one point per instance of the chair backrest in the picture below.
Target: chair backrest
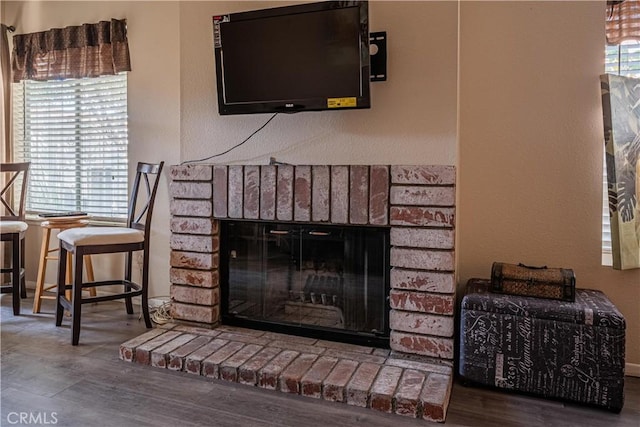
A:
(139, 215)
(12, 197)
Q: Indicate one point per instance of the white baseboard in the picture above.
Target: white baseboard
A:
(157, 302)
(632, 370)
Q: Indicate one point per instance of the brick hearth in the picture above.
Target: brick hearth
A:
(337, 372)
(417, 203)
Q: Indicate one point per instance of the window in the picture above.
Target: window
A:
(624, 60)
(74, 133)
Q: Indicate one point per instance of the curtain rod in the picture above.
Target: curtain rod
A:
(11, 28)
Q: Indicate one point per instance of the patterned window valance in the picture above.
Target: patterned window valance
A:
(623, 21)
(87, 50)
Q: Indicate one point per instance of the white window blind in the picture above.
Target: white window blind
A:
(624, 60)
(74, 133)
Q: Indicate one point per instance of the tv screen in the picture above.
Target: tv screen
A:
(306, 57)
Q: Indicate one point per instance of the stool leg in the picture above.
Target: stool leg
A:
(88, 266)
(62, 273)
(42, 269)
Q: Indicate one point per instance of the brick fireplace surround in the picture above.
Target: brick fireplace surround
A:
(417, 203)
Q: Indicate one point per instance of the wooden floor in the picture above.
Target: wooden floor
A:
(43, 376)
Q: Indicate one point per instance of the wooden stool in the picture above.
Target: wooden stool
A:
(58, 223)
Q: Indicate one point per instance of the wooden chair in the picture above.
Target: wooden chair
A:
(101, 240)
(13, 227)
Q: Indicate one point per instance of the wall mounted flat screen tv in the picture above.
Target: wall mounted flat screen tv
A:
(305, 57)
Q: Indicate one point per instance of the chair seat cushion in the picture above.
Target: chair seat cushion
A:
(13, 226)
(86, 236)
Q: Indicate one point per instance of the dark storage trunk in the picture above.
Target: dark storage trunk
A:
(540, 282)
(556, 349)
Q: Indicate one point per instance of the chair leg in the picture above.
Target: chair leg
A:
(145, 290)
(69, 278)
(23, 282)
(23, 287)
(88, 265)
(15, 273)
(76, 312)
(62, 274)
(127, 277)
(145, 310)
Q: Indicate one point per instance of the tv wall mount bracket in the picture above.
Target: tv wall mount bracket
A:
(378, 56)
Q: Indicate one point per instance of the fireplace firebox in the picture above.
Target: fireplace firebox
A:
(321, 281)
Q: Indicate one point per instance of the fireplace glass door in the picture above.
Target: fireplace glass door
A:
(315, 280)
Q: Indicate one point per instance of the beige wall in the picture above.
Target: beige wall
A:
(526, 132)
(153, 103)
(413, 118)
(530, 145)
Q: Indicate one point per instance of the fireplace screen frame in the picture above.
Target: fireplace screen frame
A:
(378, 338)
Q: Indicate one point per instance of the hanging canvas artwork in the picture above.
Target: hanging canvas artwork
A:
(621, 113)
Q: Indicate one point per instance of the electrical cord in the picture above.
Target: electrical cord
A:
(234, 147)
(160, 314)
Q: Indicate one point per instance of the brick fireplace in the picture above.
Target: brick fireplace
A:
(417, 203)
